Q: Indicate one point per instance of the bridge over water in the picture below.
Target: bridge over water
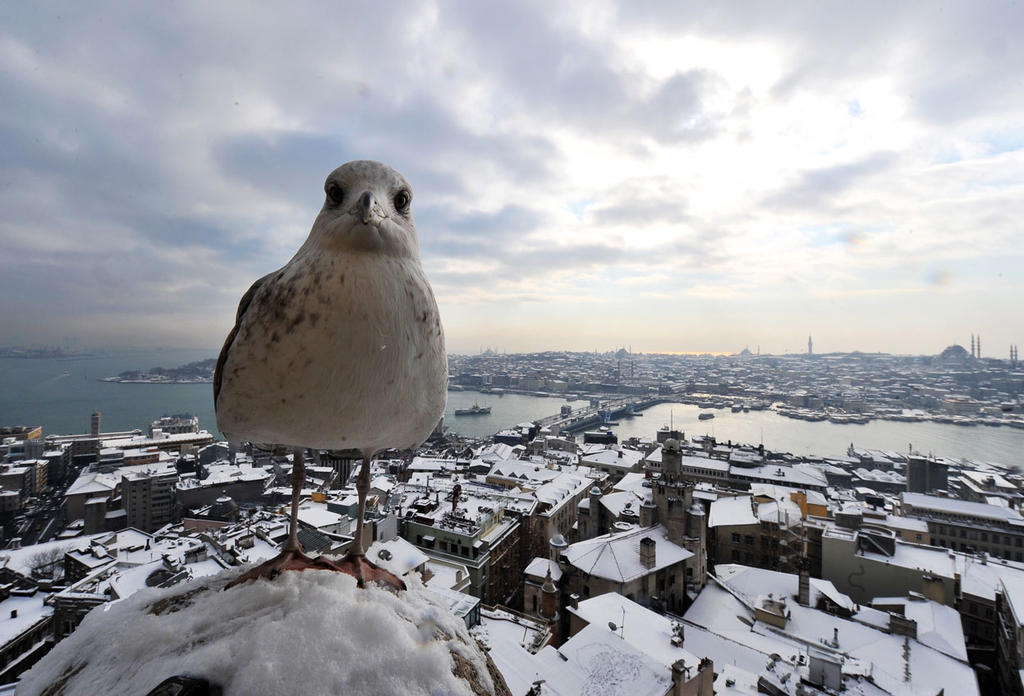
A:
(593, 416)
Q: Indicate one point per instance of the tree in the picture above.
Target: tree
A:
(48, 562)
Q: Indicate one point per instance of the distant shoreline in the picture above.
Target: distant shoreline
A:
(120, 380)
(27, 354)
(199, 372)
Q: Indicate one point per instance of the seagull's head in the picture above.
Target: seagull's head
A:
(367, 208)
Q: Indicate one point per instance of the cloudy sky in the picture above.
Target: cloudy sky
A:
(587, 174)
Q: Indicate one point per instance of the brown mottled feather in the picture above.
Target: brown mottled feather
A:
(243, 305)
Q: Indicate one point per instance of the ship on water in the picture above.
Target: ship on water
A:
(474, 410)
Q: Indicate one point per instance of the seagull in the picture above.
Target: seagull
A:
(340, 349)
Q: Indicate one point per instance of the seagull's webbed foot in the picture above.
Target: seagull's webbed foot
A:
(364, 571)
(289, 559)
(355, 565)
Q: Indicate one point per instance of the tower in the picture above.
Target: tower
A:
(94, 424)
(810, 346)
(979, 346)
(972, 345)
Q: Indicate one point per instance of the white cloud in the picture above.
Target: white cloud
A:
(774, 168)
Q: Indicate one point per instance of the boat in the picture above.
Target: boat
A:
(705, 416)
(474, 410)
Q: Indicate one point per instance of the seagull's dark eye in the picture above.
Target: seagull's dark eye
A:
(334, 193)
(402, 200)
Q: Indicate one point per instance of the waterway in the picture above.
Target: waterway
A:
(60, 395)
(1003, 445)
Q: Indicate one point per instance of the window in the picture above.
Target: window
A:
(748, 540)
(736, 555)
(735, 537)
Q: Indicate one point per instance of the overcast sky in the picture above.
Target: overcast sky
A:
(587, 175)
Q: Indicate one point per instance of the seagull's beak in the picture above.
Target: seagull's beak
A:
(365, 207)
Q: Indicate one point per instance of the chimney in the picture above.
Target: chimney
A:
(804, 591)
(902, 626)
(648, 513)
(647, 552)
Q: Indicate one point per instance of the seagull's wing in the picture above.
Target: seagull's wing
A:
(218, 373)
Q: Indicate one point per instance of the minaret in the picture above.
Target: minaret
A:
(979, 347)
(549, 605)
(810, 346)
(972, 345)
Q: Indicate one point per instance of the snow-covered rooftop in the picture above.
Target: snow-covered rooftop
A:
(724, 608)
(616, 557)
(965, 508)
(731, 512)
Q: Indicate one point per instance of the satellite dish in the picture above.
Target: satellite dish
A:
(612, 626)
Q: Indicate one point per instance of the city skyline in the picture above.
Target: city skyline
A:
(586, 176)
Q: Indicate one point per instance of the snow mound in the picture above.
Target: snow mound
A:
(312, 632)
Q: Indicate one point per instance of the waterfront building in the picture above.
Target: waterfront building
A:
(175, 425)
(926, 475)
(171, 442)
(21, 432)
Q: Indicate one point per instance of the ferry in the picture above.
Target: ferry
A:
(474, 410)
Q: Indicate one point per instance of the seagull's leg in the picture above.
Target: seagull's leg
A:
(298, 478)
(291, 556)
(354, 562)
(362, 488)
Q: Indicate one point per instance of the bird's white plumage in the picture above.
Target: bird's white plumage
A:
(342, 348)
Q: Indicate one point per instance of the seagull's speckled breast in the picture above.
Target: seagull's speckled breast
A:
(337, 352)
